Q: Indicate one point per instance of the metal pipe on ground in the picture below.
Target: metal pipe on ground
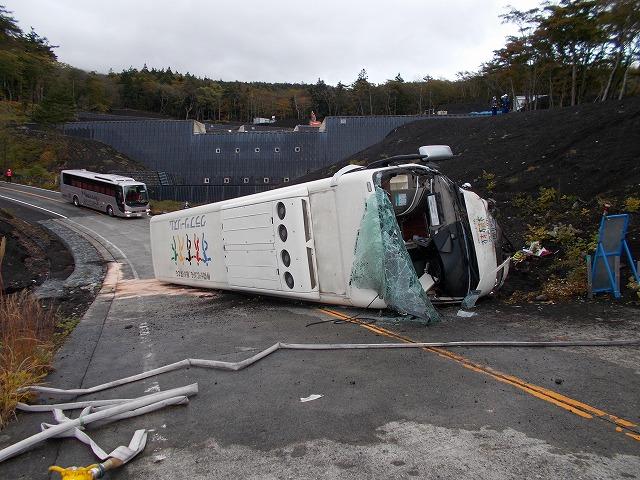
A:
(235, 366)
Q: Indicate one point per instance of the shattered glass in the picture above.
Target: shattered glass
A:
(470, 300)
(382, 263)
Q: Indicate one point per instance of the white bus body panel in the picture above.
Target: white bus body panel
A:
(235, 245)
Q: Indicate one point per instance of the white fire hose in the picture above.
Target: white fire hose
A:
(235, 366)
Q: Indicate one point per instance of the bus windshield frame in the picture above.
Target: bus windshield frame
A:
(135, 195)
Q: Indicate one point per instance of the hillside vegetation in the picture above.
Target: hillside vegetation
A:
(36, 155)
(572, 51)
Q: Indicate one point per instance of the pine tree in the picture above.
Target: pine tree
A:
(56, 107)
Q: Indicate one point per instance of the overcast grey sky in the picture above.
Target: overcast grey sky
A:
(273, 41)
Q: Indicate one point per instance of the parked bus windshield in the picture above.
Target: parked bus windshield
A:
(136, 195)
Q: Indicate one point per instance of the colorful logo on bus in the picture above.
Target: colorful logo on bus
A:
(190, 249)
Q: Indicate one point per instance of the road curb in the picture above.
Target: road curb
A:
(75, 355)
(87, 273)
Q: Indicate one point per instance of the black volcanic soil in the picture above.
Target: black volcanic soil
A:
(32, 254)
(587, 150)
(75, 152)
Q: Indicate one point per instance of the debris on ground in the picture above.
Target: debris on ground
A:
(314, 396)
(535, 249)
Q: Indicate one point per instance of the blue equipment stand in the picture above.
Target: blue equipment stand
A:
(604, 274)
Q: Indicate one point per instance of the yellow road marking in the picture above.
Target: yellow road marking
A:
(574, 406)
(34, 195)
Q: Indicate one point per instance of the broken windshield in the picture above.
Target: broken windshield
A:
(383, 264)
(430, 215)
(136, 195)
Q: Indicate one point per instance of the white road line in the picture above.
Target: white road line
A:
(32, 205)
(115, 247)
(31, 186)
(145, 339)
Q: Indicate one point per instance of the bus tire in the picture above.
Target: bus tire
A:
(110, 211)
(76, 201)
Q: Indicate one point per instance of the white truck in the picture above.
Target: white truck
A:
(364, 237)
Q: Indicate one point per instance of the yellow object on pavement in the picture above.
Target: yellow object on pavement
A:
(76, 473)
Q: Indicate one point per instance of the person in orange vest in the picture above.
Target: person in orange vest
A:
(9, 175)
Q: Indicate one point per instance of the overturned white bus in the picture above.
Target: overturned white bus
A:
(393, 234)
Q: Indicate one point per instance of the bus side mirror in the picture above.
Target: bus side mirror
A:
(436, 153)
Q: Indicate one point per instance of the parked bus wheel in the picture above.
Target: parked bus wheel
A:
(76, 202)
(110, 211)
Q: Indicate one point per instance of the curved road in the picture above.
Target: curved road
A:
(126, 239)
(468, 413)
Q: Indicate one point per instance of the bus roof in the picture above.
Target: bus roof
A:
(105, 177)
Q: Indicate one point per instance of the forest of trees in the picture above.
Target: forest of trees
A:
(572, 51)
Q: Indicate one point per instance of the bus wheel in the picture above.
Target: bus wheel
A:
(76, 202)
(110, 211)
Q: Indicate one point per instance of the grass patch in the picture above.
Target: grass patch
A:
(64, 327)
(30, 334)
(13, 112)
(26, 348)
(164, 206)
(632, 204)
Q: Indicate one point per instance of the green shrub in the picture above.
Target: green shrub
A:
(546, 198)
(632, 204)
(536, 233)
(490, 178)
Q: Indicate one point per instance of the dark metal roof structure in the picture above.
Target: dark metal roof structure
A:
(237, 162)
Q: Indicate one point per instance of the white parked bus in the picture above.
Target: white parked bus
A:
(113, 194)
(331, 240)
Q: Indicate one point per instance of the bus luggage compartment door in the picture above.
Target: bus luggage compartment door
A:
(269, 246)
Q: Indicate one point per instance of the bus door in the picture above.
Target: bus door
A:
(120, 198)
(269, 246)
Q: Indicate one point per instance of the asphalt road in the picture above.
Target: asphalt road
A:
(472, 413)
